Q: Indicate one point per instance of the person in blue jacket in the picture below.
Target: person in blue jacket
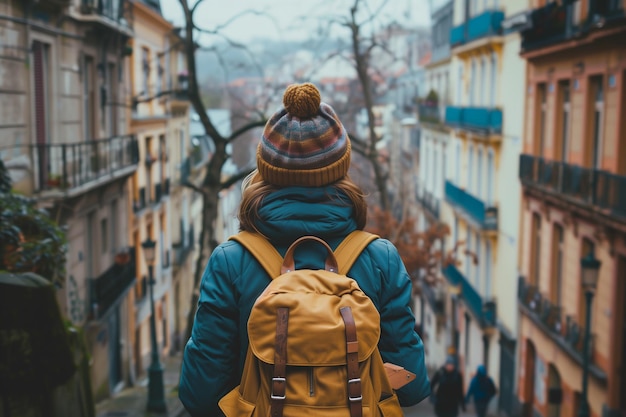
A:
(301, 187)
(483, 389)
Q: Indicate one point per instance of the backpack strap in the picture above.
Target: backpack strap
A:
(264, 252)
(349, 250)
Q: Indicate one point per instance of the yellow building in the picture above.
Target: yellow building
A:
(573, 174)
(150, 215)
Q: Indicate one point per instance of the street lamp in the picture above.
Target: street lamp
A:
(156, 392)
(455, 292)
(590, 267)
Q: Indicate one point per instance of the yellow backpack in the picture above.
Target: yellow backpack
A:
(313, 340)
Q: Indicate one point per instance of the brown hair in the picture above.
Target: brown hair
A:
(255, 190)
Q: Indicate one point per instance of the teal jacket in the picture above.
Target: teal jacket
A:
(214, 355)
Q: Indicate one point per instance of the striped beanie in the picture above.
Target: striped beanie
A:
(304, 143)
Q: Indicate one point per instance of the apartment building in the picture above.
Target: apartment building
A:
(435, 306)
(150, 214)
(64, 137)
(573, 175)
(481, 192)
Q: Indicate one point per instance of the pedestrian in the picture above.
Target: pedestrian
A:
(447, 390)
(482, 389)
(301, 187)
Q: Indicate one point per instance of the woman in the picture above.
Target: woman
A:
(301, 187)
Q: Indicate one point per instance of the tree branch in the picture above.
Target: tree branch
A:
(245, 128)
(193, 186)
(233, 179)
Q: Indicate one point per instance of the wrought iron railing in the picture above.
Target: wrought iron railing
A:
(565, 330)
(68, 166)
(552, 23)
(107, 289)
(601, 189)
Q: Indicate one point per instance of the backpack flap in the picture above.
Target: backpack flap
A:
(316, 330)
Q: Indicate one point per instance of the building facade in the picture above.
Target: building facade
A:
(64, 137)
(437, 331)
(573, 175)
(481, 192)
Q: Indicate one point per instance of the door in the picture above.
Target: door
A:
(507, 375)
(115, 349)
(529, 372)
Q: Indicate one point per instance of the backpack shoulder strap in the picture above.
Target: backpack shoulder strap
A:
(349, 250)
(262, 250)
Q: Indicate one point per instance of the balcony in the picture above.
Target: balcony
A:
(486, 121)
(111, 14)
(111, 286)
(484, 216)
(486, 24)
(429, 202)
(552, 24)
(429, 113)
(69, 169)
(484, 311)
(564, 331)
(591, 188)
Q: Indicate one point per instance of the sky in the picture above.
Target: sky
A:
(294, 19)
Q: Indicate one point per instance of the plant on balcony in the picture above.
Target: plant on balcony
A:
(122, 257)
(30, 240)
(432, 99)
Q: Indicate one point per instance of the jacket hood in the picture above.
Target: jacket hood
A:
(482, 371)
(291, 212)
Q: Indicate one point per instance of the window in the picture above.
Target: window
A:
(488, 261)
(457, 174)
(145, 66)
(490, 177)
(89, 98)
(597, 119)
(111, 100)
(468, 258)
(535, 252)
(456, 231)
(556, 278)
(473, 77)
(470, 168)
(41, 90)
(114, 226)
(483, 79)
(587, 247)
(104, 235)
(479, 176)
(541, 118)
(477, 261)
(459, 86)
(160, 76)
(564, 97)
(494, 75)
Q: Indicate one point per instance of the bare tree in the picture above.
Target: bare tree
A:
(212, 182)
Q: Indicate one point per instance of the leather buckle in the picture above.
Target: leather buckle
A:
(278, 380)
(354, 381)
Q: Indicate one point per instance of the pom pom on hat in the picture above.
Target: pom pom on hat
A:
(302, 100)
(304, 143)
